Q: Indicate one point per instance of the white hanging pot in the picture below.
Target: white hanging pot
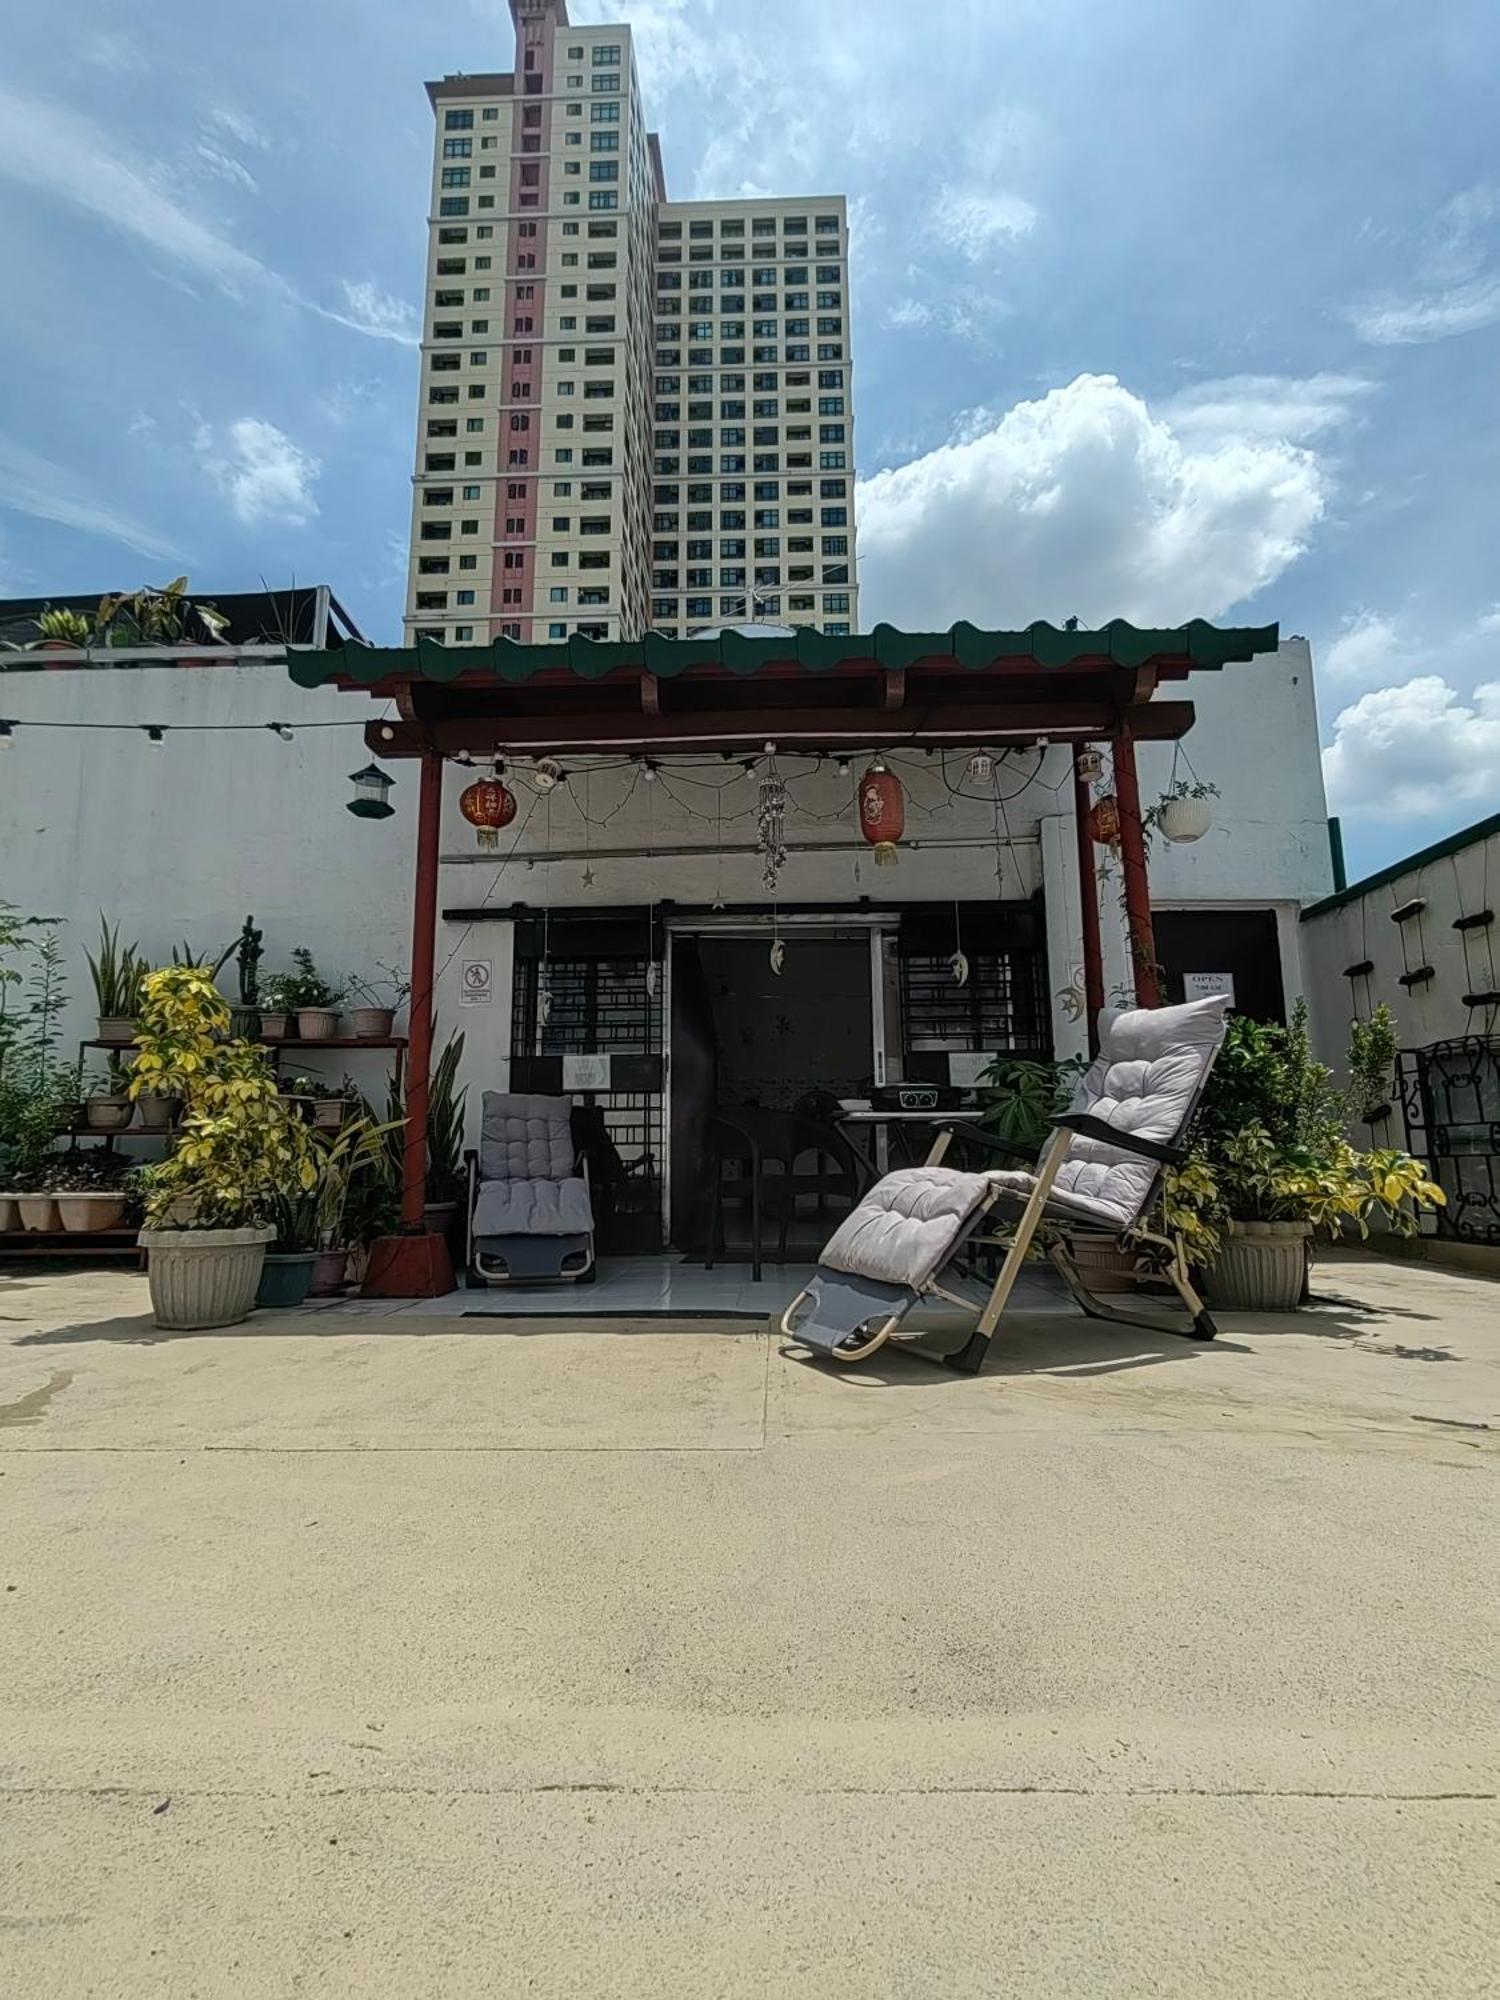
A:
(1186, 819)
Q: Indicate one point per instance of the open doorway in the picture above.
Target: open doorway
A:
(747, 1038)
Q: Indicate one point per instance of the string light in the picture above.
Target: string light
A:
(6, 736)
(156, 735)
(280, 729)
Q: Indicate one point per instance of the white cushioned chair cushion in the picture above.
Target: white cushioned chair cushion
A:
(1151, 1066)
(906, 1226)
(525, 1138)
(533, 1208)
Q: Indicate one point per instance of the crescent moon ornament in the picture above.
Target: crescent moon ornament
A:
(778, 957)
(958, 965)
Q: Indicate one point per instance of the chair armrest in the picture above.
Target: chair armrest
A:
(1087, 1126)
(979, 1135)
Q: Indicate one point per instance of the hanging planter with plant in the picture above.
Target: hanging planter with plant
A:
(1184, 811)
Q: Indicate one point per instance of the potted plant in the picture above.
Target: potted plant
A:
(62, 631)
(159, 617)
(208, 1206)
(349, 1159)
(116, 971)
(446, 1180)
(288, 1268)
(39, 1096)
(1272, 1164)
(1183, 812)
(313, 1000)
(332, 1107)
(300, 1096)
(93, 1190)
(274, 998)
(110, 1106)
(374, 1017)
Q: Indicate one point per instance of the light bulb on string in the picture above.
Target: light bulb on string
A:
(7, 735)
(280, 729)
(156, 735)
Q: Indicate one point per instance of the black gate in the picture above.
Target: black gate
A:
(1450, 1094)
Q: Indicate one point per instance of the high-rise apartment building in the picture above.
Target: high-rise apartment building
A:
(635, 413)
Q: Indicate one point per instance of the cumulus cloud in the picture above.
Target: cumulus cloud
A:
(1370, 649)
(974, 221)
(1415, 750)
(265, 475)
(1083, 502)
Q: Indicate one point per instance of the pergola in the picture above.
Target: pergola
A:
(736, 692)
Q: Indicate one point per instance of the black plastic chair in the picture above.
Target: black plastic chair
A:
(769, 1149)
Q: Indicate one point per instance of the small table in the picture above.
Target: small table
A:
(880, 1123)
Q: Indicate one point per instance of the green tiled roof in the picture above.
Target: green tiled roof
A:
(1123, 644)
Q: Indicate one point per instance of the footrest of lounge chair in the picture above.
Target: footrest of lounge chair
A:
(837, 1306)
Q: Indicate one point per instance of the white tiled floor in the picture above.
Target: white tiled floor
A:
(646, 1285)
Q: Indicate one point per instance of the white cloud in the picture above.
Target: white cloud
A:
(238, 126)
(1083, 502)
(225, 167)
(1292, 407)
(1455, 287)
(974, 220)
(371, 311)
(1412, 751)
(910, 312)
(1370, 649)
(54, 152)
(33, 485)
(265, 475)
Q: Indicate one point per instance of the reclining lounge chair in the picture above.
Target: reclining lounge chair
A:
(914, 1235)
(530, 1216)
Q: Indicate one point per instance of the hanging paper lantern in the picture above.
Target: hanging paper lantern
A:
(1104, 820)
(882, 812)
(488, 805)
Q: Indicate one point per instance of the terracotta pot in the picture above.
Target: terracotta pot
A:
(91, 1211)
(1186, 819)
(1104, 1266)
(203, 1278)
(329, 1113)
(317, 1024)
(10, 1215)
(1261, 1267)
(273, 1027)
(158, 1114)
(38, 1212)
(371, 1024)
(108, 1114)
(114, 1028)
(329, 1273)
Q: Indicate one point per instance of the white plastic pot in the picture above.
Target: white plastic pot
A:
(38, 1212)
(10, 1215)
(371, 1024)
(203, 1277)
(1186, 819)
(80, 1212)
(317, 1024)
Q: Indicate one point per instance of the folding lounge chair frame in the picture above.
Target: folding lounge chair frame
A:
(835, 1328)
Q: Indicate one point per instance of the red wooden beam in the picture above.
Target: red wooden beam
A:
(935, 724)
(1088, 900)
(1133, 866)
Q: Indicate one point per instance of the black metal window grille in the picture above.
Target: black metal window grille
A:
(599, 1006)
(1450, 1095)
(1001, 1008)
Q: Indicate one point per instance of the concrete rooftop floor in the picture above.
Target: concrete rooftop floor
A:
(383, 1653)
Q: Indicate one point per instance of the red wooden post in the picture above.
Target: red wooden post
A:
(423, 958)
(415, 1264)
(1088, 897)
(1133, 864)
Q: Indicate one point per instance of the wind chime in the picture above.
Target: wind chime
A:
(652, 970)
(770, 842)
(544, 973)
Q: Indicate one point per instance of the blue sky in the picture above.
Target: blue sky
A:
(1162, 308)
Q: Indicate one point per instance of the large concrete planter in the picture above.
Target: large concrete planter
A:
(1261, 1267)
(203, 1277)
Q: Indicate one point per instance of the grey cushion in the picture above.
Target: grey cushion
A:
(533, 1208)
(525, 1138)
(1151, 1066)
(905, 1228)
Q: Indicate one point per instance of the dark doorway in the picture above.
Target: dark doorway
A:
(1243, 943)
(744, 1035)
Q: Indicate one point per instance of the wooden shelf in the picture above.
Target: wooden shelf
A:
(286, 1042)
(125, 1132)
(69, 1243)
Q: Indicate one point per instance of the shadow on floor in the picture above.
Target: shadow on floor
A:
(140, 1330)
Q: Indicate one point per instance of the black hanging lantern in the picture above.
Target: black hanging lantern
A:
(370, 788)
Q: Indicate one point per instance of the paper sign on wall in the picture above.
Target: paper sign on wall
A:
(1208, 985)
(476, 986)
(585, 1073)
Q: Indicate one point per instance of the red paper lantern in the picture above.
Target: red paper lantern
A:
(1104, 820)
(488, 805)
(882, 812)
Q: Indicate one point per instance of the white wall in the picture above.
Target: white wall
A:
(188, 838)
(1358, 927)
